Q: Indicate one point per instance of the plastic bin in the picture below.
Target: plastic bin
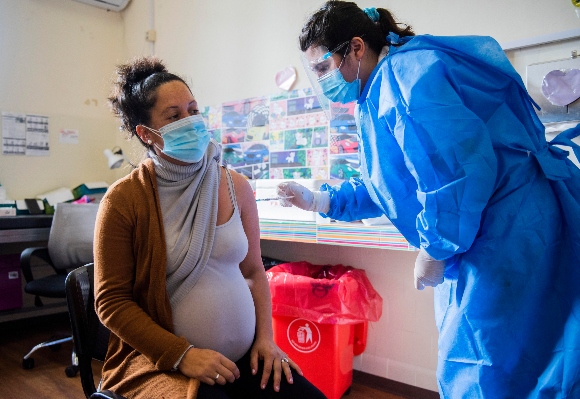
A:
(10, 282)
(320, 319)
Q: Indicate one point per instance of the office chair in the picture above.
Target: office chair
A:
(70, 245)
(90, 337)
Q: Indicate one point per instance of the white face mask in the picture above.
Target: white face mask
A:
(185, 140)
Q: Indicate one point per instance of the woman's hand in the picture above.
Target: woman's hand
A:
(274, 360)
(210, 367)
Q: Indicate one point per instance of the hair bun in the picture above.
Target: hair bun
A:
(141, 68)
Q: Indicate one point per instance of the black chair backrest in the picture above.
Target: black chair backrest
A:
(90, 337)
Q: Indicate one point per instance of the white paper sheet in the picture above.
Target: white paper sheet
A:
(13, 133)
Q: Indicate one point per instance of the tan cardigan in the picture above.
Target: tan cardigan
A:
(130, 293)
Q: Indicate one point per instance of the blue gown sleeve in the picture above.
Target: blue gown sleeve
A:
(350, 201)
(447, 148)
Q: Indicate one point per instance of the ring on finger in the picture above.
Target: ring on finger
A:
(284, 360)
(217, 376)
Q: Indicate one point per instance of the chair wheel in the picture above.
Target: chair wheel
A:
(27, 364)
(71, 371)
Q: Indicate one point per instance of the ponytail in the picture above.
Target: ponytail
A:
(388, 24)
(339, 21)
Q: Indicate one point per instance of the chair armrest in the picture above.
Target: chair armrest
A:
(26, 258)
(106, 394)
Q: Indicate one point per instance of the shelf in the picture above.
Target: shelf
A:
(349, 234)
(33, 311)
(24, 235)
(24, 228)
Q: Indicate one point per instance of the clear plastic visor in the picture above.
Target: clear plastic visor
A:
(320, 60)
(319, 63)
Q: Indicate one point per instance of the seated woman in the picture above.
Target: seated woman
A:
(179, 278)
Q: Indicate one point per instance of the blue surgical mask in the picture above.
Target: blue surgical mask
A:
(338, 90)
(185, 140)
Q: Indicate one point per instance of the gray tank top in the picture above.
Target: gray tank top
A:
(218, 313)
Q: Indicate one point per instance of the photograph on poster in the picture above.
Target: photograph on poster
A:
(233, 135)
(212, 116)
(302, 173)
(344, 166)
(285, 159)
(343, 143)
(317, 157)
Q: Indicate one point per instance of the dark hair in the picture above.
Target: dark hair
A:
(339, 21)
(135, 91)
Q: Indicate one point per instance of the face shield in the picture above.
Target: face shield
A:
(319, 64)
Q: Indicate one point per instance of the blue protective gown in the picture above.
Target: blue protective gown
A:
(454, 155)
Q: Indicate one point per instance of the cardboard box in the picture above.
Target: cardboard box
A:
(266, 188)
(54, 197)
(10, 282)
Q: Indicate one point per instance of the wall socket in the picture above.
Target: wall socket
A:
(151, 35)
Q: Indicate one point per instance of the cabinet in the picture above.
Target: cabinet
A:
(17, 233)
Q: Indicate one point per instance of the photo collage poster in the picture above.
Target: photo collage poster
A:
(286, 136)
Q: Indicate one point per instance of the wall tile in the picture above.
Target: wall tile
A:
(425, 378)
(373, 365)
(401, 372)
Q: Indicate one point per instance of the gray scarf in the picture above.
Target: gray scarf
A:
(189, 217)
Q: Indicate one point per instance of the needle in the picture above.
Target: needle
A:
(274, 198)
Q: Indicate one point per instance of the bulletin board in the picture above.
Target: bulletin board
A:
(286, 136)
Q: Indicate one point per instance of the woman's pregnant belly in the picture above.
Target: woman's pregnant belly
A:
(218, 313)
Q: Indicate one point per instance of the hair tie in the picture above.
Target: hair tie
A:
(393, 39)
(372, 13)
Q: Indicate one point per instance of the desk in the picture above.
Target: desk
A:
(20, 229)
(26, 228)
(36, 228)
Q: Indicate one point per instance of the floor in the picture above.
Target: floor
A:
(47, 379)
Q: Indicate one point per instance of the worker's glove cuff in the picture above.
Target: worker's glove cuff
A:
(320, 202)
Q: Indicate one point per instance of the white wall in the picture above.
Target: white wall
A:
(56, 59)
(231, 50)
(505, 20)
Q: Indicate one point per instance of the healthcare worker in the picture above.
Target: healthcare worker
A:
(452, 152)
